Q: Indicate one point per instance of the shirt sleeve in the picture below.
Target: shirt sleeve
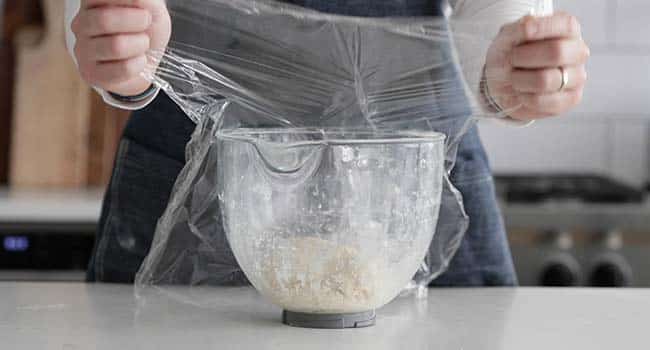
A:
(71, 10)
(490, 15)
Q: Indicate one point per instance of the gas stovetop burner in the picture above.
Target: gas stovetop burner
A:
(585, 188)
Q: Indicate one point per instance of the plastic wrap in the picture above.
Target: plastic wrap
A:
(235, 64)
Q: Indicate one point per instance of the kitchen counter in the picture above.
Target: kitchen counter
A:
(82, 317)
(50, 206)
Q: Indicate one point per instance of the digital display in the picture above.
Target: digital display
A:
(16, 243)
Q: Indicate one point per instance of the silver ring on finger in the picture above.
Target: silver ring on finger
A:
(565, 79)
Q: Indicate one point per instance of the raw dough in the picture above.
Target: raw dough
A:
(309, 274)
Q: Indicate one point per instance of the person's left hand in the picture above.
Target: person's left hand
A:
(526, 63)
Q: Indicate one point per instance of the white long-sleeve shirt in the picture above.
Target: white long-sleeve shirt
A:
(492, 14)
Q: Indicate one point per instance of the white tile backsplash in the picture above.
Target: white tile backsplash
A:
(610, 132)
(618, 84)
(630, 161)
(548, 146)
(593, 18)
(632, 22)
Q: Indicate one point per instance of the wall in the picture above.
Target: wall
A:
(609, 133)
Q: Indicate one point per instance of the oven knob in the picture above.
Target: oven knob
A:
(610, 271)
(560, 271)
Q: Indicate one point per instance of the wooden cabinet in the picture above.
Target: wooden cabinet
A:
(13, 16)
(63, 135)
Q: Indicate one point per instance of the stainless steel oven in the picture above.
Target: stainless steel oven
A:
(45, 235)
(577, 230)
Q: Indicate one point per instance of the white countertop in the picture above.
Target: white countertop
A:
(36, 206)
(82, 317)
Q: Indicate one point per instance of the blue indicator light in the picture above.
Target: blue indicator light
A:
(16, 243)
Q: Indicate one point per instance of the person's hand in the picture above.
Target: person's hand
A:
(113, 37)
(526, 63)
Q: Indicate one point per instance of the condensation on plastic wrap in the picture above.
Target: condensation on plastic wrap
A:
(236, 64)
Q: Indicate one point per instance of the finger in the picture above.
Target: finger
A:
(551, 104)
(112, 20)
(558, 25)
(116, 72)
(550, 53)
(547, 80)
(530, 28)
(116, 47)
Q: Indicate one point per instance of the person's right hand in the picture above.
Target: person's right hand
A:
(113, 37)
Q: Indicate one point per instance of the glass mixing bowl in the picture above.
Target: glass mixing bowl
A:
(330, 221)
